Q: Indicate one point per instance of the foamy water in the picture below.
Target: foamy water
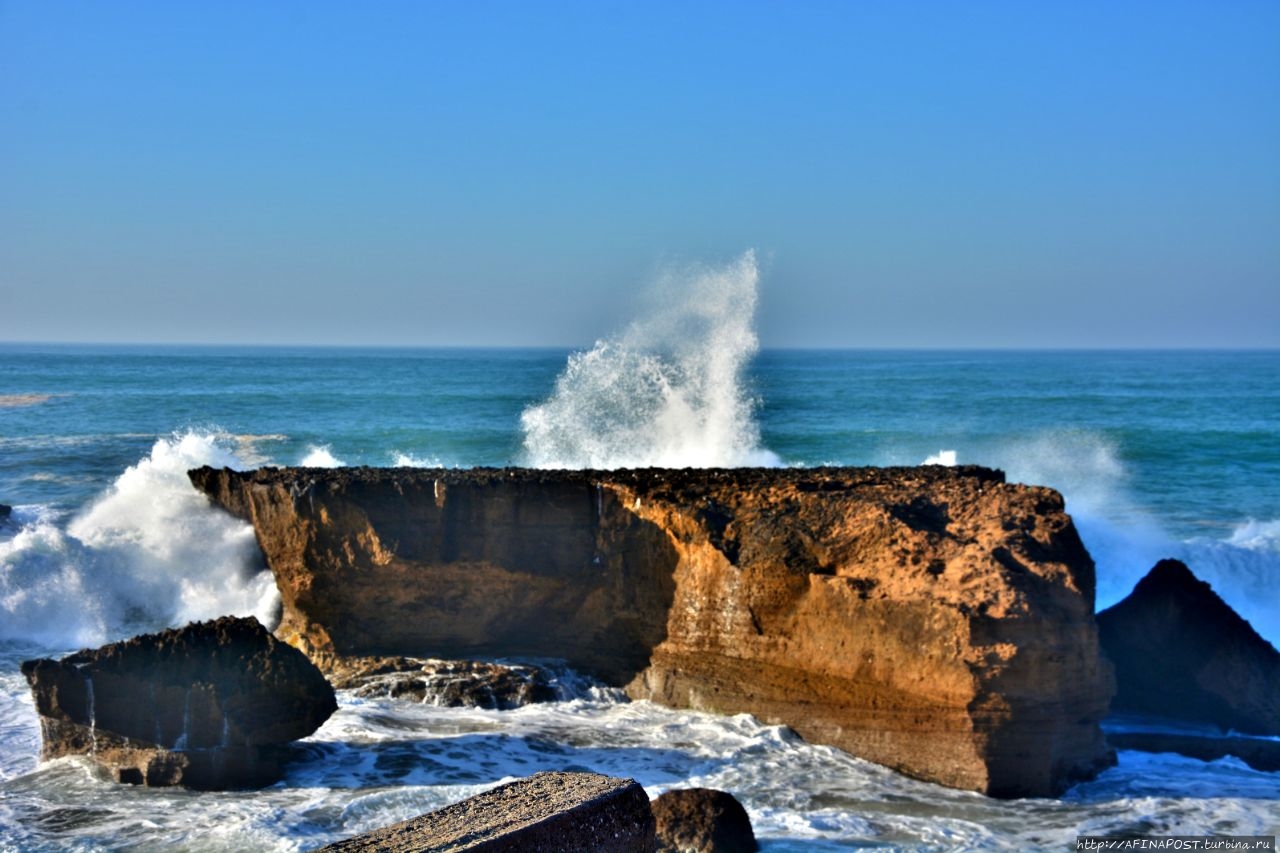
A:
(149, 551)
(109, 538)
(669, 392)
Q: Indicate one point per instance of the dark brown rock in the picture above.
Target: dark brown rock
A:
(702, 820)
(446, 684)
(211, 705)
(936, 620)
(1181, 652)
(545, 813)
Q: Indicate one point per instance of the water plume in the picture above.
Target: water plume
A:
(669, 391)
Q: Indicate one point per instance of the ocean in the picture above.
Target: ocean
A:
(1159, 454)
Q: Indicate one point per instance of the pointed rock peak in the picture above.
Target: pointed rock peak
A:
(1181, 652)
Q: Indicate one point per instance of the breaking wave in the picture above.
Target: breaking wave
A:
(668, 392)
(147, 553)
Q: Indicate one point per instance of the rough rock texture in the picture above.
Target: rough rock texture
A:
(1259, 754)
(545, 813)
(702, 820)
(1181, 652)
(936, 620)
(445, 684)
(211, 705)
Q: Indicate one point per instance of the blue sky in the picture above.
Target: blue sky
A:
(910, 174)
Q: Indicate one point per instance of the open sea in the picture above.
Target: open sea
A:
(1159, 454)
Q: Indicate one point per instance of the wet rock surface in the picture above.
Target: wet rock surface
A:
(702, 820)
(212, 705)
(446, 684)
(545, 813)
(1180, 652)
(935, 620)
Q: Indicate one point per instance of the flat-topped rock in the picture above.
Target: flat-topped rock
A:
(935, 620)
(545, 813)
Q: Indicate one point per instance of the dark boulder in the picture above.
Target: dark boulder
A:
(1181, 652)
(702, 820)
(5, 512)
(212, 705)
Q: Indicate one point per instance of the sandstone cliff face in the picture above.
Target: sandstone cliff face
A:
(936, 620)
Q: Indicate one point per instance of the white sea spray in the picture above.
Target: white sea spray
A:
(147, 553)
(670, 391)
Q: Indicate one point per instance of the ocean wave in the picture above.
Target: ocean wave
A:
(147, 553)
(409, 460)
(320, 456)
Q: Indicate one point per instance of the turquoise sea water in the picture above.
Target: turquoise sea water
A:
(1158, 454)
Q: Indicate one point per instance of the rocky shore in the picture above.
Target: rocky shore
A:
(935, 620)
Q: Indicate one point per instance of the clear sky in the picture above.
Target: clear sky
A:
(428, 173)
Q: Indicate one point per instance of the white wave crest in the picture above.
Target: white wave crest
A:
(149, 552)
(320, 456)
(408, 460)
(942, 457)
(669, 392)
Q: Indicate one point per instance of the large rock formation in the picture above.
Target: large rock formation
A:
(936, 620)
(545, 813)
(1181, 652)
(207, 706)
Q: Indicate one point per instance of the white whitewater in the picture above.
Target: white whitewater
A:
(668, 392)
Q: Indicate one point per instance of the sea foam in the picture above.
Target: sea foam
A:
(669, 392)
(147, 553)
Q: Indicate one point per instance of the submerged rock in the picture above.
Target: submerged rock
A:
(1258, 753)
(5, 512)
(936, 620)
(446, 684)
(1181, 652)
(208, 706)
(544, 813)
(702, 820)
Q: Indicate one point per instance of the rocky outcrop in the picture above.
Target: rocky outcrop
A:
(208, 706)
(445, 683)
(5, 512)
(702, 820)
(545, 813)
(1181, 652)
(936, 620)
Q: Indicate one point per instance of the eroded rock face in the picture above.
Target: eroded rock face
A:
(1181, 652)
(211, 705)
(936, 620)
